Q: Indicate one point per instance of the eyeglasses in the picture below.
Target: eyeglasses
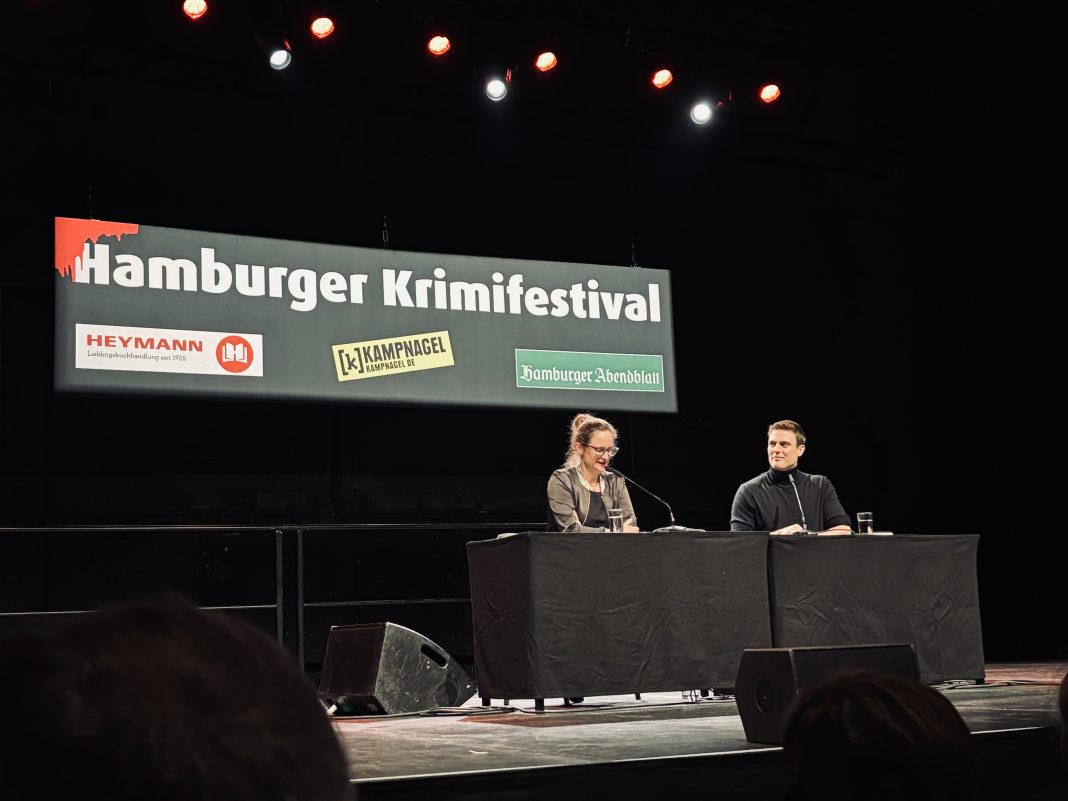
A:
(612, 450)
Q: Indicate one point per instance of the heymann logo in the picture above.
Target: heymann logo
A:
(142, 343)
(167, 350)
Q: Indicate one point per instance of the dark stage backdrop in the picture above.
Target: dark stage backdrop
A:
(863, 259)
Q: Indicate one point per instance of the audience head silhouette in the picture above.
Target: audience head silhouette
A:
(161, 700)
(864, 735)
(1062, 703)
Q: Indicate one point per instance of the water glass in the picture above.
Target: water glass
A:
(865, 523)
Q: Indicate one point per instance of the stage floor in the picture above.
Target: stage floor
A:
(631, 747)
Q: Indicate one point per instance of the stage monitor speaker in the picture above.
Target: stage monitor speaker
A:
(769, 679)
(383, 668)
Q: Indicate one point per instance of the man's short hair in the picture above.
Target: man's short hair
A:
(789, 425)
(161, 700)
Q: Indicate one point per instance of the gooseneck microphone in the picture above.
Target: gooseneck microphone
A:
(671, 515)
(804, 525)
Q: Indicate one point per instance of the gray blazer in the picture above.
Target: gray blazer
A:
(568, 498)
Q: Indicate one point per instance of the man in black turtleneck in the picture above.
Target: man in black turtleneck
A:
(784, 500)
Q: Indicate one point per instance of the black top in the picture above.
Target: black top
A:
(569, 501)
(598, 515)
(768, 503)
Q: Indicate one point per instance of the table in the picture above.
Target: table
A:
(871, 590)
(565, 615)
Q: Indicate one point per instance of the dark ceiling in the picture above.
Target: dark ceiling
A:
(131, 110)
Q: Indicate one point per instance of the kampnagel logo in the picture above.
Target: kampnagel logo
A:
(401, 354)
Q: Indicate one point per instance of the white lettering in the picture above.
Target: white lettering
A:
(636, 309)
(469, 296)
(356, 283)
(215, 276)
(97, 264)
(559, 299)
(254, 285)
(395, 288)
(274, 280)
(535, 301)
(332, 287)
(181, 273)
(613, 304)
(302, 288)
(130, 271)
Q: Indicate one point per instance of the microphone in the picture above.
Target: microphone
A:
(804, 525)
(671, 515)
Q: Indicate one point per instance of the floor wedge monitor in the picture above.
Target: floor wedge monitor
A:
(383, 668)
(769, 679)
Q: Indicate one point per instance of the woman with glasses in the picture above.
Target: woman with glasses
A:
(581, 492)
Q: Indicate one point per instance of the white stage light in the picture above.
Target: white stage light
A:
(280, 58)
(701, 113)
(496, 90)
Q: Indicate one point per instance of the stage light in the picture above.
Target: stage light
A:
(281, 56)
(701, 113)
(322, 27)
(439, 45)
(546, 61)
(662, 78)
(496, 89)
(195, 9)
(769, 93)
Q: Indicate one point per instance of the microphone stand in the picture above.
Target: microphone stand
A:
(671, 515)
(804, 532)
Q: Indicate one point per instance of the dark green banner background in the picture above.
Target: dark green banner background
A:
(301, 328)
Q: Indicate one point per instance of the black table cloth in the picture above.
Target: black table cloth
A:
(563, 615)
(880, 590)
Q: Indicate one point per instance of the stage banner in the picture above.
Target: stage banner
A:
(153, 310)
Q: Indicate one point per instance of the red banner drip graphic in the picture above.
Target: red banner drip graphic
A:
(71, 235)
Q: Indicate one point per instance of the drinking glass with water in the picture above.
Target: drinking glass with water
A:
(865, 523)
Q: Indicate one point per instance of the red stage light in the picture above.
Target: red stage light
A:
(546, 61)
(195, 9)
(322, 27)
(439, 45)
(769, 93)
(662, 78)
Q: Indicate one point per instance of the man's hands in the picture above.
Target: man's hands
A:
(837, 531)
